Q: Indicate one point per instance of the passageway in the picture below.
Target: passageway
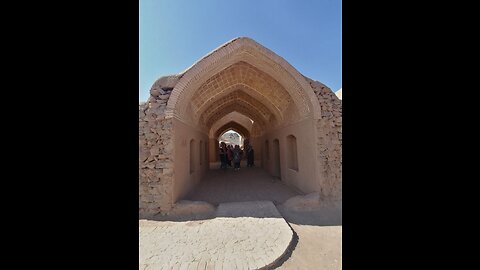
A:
(266, 107)
(244, 87)
(266, 110)
(247, 184)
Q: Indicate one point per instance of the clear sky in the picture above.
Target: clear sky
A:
(176, 33)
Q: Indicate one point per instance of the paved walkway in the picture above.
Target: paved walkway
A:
(244, 235)
(247, 184)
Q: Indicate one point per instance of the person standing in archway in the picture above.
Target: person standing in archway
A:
(229, 155)
(223, 156)
(250, 156)
(237, 157)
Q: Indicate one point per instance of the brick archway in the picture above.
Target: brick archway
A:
(241, 50)
(235, 127)
(244, 86)
(236, 117)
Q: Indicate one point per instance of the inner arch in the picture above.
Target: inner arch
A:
(250, 81)
(231, 117)
(233, 126)
(250, 105)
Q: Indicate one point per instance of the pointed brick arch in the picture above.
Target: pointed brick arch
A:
(242, 50)
(237, 98)
(249, 80)
(236, 107)
(235, 127)
(237, 117)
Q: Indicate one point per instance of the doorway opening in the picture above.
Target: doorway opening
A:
(276, 159)
(231, 137)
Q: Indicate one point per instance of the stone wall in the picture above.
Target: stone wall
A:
(156, 170)
(329, 141)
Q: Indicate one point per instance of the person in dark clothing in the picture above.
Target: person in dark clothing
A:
(237, 157)
(229, 155)
(250, 156)
(223, 156)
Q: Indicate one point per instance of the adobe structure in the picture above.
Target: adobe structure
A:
(293, 122)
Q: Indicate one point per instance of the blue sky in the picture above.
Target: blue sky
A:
(176, 33)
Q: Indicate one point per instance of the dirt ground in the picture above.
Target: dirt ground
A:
(247, 184)
(319, 235)
(318, 247)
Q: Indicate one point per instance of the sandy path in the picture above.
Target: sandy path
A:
(318, 247)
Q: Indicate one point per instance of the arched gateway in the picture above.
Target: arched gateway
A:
(246, 87)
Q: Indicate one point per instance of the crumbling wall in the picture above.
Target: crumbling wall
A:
(329, 141)
(156, 168)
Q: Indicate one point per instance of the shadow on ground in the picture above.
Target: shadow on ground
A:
(319, 217)
(326, 215)
(247, 185)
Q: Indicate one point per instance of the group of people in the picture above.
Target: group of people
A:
(228, 153)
